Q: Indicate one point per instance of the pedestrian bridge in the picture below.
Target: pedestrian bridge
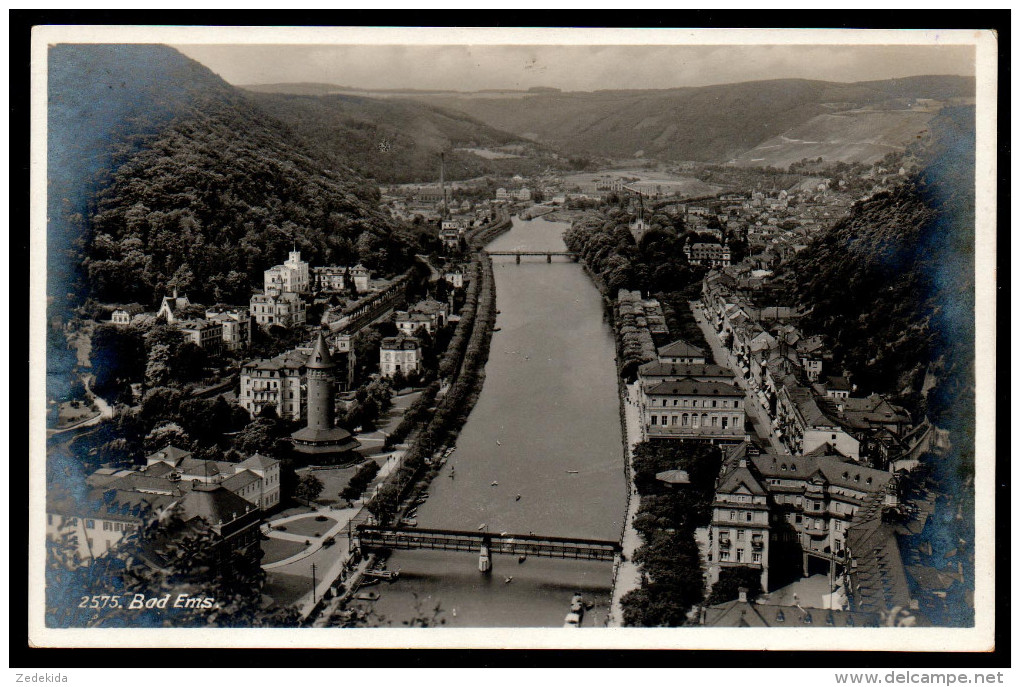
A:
(370, 537)
(547, 253)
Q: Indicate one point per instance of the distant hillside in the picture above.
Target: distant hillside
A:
(711, 123)
(397, 141)
(893, 283)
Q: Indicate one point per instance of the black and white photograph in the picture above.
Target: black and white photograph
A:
(508, 338)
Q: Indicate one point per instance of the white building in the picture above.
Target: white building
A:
(290, 277)
(281, 308)
(399, 354)
(205, 334)
(236, 323)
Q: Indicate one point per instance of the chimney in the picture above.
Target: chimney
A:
(742, 595)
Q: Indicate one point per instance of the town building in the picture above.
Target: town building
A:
(284, 309)
(281, 382)
(711, 254)
(399, 354)
(320, 436)
(123, 315)
(810, 502)
(329, 279)
(360, 275)
(743, 613)
(290, 277)
(681, 353)
(408, 323)
(450, 239)
(655, 372)
(206, 334)
(172, 471)
(236, 324)
(171, 307)
(502, 194)
(437, 311)
(523, 195)
(692, 409)
(455, 279)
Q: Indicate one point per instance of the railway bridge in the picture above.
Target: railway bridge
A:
(485, 544)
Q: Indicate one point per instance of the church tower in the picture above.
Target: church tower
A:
(319, 436)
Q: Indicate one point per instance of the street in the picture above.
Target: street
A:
(759, 416)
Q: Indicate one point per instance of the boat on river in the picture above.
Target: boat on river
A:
(388, 575)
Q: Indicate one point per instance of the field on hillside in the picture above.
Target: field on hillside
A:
(855, 136)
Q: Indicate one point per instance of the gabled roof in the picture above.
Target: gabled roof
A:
(240, 480)
(258, 461)
(170, 454)
(214, 503)
(739, 477)
(746, 614)
(681, 349)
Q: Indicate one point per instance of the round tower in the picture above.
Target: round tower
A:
(321, 385)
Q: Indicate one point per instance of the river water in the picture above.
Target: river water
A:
(548, 408)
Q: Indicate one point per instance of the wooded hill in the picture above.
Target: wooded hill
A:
(399, 141)
(199, 187)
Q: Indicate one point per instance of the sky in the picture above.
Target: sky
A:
(570, 67)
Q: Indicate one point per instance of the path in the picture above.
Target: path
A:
(628, 574)
(105, 411)
(759, 416)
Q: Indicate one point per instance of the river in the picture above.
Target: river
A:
(548, 408)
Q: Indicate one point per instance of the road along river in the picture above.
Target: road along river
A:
(547, 428)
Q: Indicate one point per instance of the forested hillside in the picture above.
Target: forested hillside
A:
(215, 199)
(892, 283)
(176, 178)
(399, 141)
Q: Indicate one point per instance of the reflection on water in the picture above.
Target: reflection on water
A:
(546, 427)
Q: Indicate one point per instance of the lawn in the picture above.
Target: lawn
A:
(74, 412)
(278, 549)
(286, 589)
(308, 527)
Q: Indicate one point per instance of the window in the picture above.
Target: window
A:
(714, 402)
(740, 534)
(736, 404)
(673, 420)
(714, 418)
(724, 555)
(725, 422)
(755, 557)
(655, 420)
(797, 518)
(818, 506)
(107, 526)
(663, 420)
(749, 514)
(740, 555)
(733, 515)
(90, 524)
(683, 420)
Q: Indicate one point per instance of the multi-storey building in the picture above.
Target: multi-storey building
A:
(455, 279)
(692, 409)
(408, 323)
(206, 334)
(739, 533)
(329, 279)
(281, 382)
(236, 323)
(655, 372)
(285, 309)
(290, 277)
(810, 500)
(712, 254)
(274, 382)
(399, 354)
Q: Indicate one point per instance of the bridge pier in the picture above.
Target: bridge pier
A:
(518, 258)
(548, 257)
(484, 559)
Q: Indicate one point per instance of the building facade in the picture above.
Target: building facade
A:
(236, 324)
(285, 309)
(399, 354)
(692, 409)
(290, 277)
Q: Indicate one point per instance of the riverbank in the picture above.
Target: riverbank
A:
(407, 484)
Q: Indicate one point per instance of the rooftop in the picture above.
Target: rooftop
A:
(693, 387)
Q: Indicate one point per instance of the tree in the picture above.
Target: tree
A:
(262, 435)
(308, 488)
(731, 580)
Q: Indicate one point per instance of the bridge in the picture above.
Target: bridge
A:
(547, 253)
(486, 544)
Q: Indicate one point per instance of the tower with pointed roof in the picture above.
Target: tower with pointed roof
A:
(319, 436)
